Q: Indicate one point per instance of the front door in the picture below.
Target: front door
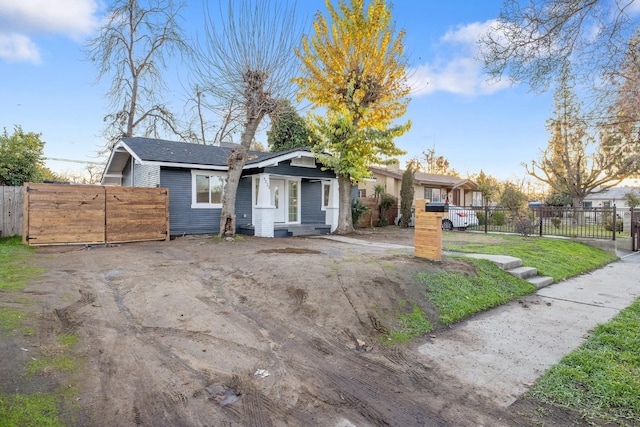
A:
(278, 199)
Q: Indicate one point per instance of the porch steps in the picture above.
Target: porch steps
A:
(308, 229)
(291, 230)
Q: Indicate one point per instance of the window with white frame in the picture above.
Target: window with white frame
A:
(326, 187)
(432, 194)
(476, 198)
(293, 201)
(206, 189)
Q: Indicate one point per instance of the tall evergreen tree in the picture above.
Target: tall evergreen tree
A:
(288, 129)
(406, 196)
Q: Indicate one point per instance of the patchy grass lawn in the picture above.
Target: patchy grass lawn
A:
(39, 409)
(14, 268)
(597, 376)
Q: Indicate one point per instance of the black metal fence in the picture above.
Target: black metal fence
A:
(594, 223)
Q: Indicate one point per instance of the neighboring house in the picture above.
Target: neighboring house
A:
(285, 193)
(608, 198)
(428, 186)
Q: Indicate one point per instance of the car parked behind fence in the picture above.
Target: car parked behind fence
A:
(459, 218)
(456, 218)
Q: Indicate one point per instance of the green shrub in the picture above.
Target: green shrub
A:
(556, 221)
(498, 218)
(481, 217)
(608, 225)
(357, 209)
(386, 201)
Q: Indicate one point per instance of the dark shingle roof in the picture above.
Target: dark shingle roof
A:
(160, 150)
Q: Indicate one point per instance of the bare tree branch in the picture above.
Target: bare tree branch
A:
(246, 59)
(132, 48)
(531, 43)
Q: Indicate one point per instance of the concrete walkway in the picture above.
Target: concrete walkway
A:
(503, 351)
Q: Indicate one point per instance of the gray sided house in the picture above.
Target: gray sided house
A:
(279, 194)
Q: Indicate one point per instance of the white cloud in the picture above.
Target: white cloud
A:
(18, 48)
(69, 17)
(20, 20)
(460, 71)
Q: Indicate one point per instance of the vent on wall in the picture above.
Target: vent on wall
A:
(305, 162)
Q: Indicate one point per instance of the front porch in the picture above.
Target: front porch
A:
(292, 206)
(289, 230)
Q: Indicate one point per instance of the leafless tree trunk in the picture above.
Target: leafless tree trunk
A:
(247, 58)
(132, 48)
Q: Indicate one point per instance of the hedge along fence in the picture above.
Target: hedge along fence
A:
(59, 214)
(10, 211)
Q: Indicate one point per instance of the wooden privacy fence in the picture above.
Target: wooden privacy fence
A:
(10, 211)
(58, 214)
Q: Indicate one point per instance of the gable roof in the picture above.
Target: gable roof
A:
(428, 179)
(152, 151)
(147, 150)
(613, 193)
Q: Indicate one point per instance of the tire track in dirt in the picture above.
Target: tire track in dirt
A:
(66, 315)
(319, 372)
(343, 378)
(160, 389)
(206, 338)
(257, 409)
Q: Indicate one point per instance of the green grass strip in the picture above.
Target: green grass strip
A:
(14, 269)
(458, 295)
(36, 410)
(601, 378)
(413, 324)
(557, 258)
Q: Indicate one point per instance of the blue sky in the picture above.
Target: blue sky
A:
(47, 87)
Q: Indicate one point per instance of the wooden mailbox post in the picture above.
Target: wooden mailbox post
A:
(428, 232)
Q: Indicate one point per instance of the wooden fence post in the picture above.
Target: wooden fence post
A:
(10, 211)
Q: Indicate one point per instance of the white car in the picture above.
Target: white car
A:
(459, 218)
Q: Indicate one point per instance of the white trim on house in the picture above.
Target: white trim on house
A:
(194, 203)
(276, 160)
(285, 196)
(122, 151)
(186, 165)
(325, 200)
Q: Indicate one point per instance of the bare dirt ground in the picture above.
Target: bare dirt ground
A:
(257, 332)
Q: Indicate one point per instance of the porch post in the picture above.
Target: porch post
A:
(265, 211)
(331, 213)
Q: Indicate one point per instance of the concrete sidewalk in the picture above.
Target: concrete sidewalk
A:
(502, 352)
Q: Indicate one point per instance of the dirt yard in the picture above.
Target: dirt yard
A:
(257, 332)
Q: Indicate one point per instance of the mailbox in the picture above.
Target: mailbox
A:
(437, 207)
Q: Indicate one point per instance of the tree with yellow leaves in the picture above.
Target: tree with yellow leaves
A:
(353, 67)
